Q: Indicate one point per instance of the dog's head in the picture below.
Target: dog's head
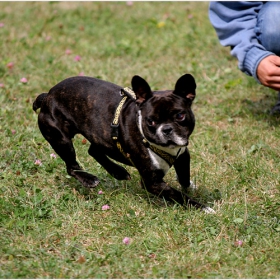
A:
(166, 116)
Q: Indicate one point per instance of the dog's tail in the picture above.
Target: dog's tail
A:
(38, 101)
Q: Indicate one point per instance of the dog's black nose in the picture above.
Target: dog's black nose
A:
(167, 130)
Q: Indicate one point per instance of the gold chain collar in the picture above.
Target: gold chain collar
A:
(125, 92)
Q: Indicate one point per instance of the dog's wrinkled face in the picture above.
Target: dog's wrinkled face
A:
(166, 116)
(167, 120)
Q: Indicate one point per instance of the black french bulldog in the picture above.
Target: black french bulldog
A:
(146, 129)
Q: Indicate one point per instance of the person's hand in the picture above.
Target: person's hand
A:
(268, 72)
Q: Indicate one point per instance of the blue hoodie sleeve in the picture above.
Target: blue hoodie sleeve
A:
(234, 23)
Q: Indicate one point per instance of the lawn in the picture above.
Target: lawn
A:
(52, 227)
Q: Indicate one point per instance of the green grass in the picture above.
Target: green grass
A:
(51, 227)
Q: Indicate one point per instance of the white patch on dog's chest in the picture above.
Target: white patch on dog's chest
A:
(159, 163)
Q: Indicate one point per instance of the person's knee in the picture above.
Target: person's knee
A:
(269, 21)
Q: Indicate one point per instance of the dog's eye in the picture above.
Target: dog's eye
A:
(151, 122)
(180, 117)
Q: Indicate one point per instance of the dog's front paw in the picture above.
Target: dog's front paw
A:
(193, 186)
(208, 210)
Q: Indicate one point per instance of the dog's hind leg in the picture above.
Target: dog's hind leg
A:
(112, 168)
(63, 146)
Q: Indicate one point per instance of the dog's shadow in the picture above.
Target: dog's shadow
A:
(134, 188)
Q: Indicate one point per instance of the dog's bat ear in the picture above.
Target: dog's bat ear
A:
(141, 88)
(185, 87)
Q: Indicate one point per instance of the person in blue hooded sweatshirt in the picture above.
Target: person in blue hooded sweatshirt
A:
(252, 30)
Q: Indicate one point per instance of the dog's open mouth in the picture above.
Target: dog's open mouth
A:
(174, 142)
(171, 144)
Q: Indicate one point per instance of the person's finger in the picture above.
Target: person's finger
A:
(268, 72)
(274, 85)
(275, 60)
(270, 81)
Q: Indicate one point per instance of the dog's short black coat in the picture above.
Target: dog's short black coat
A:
(87, 105)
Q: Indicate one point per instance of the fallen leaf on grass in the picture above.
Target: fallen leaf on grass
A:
(81, 259)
